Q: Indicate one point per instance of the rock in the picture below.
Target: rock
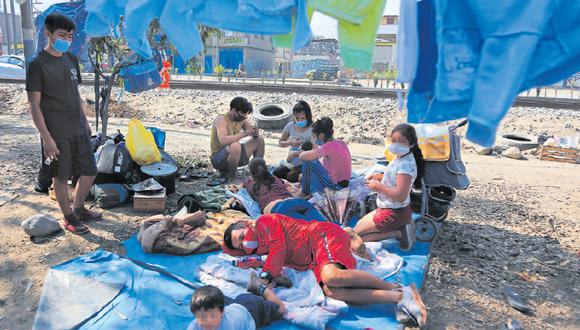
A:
(483, 150)
(40, 225)
(513, 152)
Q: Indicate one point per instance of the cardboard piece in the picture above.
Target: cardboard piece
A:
(150, 200)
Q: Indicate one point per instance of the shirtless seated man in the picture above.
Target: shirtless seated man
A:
(227, 150)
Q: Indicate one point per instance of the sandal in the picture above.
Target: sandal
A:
(74, 225)
(83, 214)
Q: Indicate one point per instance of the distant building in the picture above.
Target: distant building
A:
(385, 53)
(4, 34)
(319, 52)
(233, 50)
(284, 59)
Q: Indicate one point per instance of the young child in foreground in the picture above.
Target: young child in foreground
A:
(247, 311)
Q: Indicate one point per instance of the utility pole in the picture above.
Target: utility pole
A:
(14, 39)
(28, 30)
(8, 32)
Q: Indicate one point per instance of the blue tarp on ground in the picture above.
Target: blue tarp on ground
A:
(358, 317)
(126, 293)
(120, 295)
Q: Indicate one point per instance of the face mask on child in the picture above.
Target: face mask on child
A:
(250, 242)
(399, 149)
(301, 123)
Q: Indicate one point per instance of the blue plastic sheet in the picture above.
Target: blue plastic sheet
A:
(130, 296)
(358, 317)
(140, 304)
(73, 10)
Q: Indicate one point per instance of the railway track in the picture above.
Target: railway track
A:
(523, 101)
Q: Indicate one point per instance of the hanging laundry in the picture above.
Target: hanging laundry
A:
(102, 15)
(138, 16)
(223, 14)
(407, 43)
(488, 52)
(297, 38)
(180, 27)
(357, 41)
(354, 12)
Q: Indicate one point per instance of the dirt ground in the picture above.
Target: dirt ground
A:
(516, 225)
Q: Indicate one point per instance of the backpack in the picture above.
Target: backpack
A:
(109, 195)
(114, 163)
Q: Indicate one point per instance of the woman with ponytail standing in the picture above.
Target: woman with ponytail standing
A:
(393, 217)
(273, 196)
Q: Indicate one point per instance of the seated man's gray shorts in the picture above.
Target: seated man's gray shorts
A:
(220, 160)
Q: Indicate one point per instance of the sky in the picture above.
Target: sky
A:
(321, 25)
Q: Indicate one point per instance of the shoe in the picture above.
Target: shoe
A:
(254, 285)
(411, 308)
(74, 225)
(84, 214)
(40, 189)
(408, 236)
(282, 281)
(186, 176)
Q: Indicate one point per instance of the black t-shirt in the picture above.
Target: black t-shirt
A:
(57, 80)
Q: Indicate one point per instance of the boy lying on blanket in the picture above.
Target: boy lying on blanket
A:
(247, 311)
(324, 248)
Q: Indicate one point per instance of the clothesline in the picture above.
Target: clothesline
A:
(288, 21)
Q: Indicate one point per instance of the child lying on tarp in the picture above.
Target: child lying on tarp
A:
(323, 247)
(248, 311)
(273, 196)
(185, 234)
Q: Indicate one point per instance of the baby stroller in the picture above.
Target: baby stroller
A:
(433, 199)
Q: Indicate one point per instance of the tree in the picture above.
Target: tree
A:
(205, 32)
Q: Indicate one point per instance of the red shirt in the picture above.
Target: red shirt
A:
(285, 240)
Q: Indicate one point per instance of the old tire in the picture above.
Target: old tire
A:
(272, 116)
(520, 141)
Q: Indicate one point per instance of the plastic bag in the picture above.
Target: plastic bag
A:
(141, 144)
(141, 76)
(433, 142)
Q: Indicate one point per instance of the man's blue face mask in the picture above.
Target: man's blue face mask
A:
(61, 45)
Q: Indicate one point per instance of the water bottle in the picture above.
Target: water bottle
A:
(253, 261)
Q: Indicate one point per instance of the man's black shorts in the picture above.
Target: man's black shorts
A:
(76, 158)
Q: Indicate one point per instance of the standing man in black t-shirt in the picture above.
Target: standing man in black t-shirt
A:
(52, 81)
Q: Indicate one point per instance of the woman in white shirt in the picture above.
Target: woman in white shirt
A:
(393, 217)
(293, 136)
